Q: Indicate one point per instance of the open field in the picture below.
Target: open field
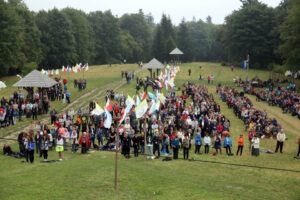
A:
(92, 176)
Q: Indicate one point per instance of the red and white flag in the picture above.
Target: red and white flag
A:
(108, 106)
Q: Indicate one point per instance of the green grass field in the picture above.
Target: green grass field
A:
(92, 176)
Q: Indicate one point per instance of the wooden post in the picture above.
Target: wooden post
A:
(116, 162)
(145, 140)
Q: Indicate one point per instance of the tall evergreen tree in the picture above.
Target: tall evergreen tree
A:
(248, 32)
(290, 35)
(10, 38)
(183, 41)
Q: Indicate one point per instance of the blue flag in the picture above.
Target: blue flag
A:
(244, 64)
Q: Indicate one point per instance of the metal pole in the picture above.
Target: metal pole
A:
(248, 66)
(116, 162)
(145, 140)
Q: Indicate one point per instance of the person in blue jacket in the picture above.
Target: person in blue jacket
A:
(30, 148)
(175, 145)
(227, 144)
(198, 143)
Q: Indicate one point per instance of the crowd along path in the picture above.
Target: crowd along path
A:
(80, 102)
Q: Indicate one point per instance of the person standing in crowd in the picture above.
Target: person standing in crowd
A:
(255, 148)
(240, 145)
(218, 142)
(38, 143)
(206, 143)
(198, 142)
(251, 135)
(45, 145)
(84, 142)
(186, 145)
(30, 148)
(227, 143)
(149, 146)
(155, 141)
(99, 136)
(298, 148)
(21, 137)
(175, 145)
(136, 144)
(74, 141)
(212, 79)
(126, 145)
(60, 146)
(280, 139)
(142, 143)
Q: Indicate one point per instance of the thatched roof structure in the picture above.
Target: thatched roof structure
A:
(176, 51)
(35, 79)
(154, 64)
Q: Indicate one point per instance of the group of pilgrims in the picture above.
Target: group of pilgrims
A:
(185, 120)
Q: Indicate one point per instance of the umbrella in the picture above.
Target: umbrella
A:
(2, 85)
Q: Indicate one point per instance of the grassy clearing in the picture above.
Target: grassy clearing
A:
(92, 176)
(97, 77)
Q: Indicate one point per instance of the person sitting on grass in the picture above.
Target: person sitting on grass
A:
(7, 150)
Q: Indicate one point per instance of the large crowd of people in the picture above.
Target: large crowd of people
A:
(285, 97)
(256, 121)
(187, 118)
(287, 100)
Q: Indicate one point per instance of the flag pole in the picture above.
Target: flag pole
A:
(247, 66)
(145, 140)
(116, 162)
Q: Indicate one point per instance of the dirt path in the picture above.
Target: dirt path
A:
(78, 103)
(289, 123)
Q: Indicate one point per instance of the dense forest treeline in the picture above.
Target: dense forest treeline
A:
(53, 38)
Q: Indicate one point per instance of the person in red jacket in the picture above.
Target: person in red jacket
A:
(251, 135)
(220, 128)
(298, 148)
(84, 142)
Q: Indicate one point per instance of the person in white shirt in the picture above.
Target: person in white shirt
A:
(280, 139)
(206, 143)
(60, 146)
(255, 146)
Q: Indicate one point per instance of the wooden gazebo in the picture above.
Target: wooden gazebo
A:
(35, 79)
(154, 64)
(176, 52)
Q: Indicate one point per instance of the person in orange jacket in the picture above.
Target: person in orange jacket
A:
(240, 145)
